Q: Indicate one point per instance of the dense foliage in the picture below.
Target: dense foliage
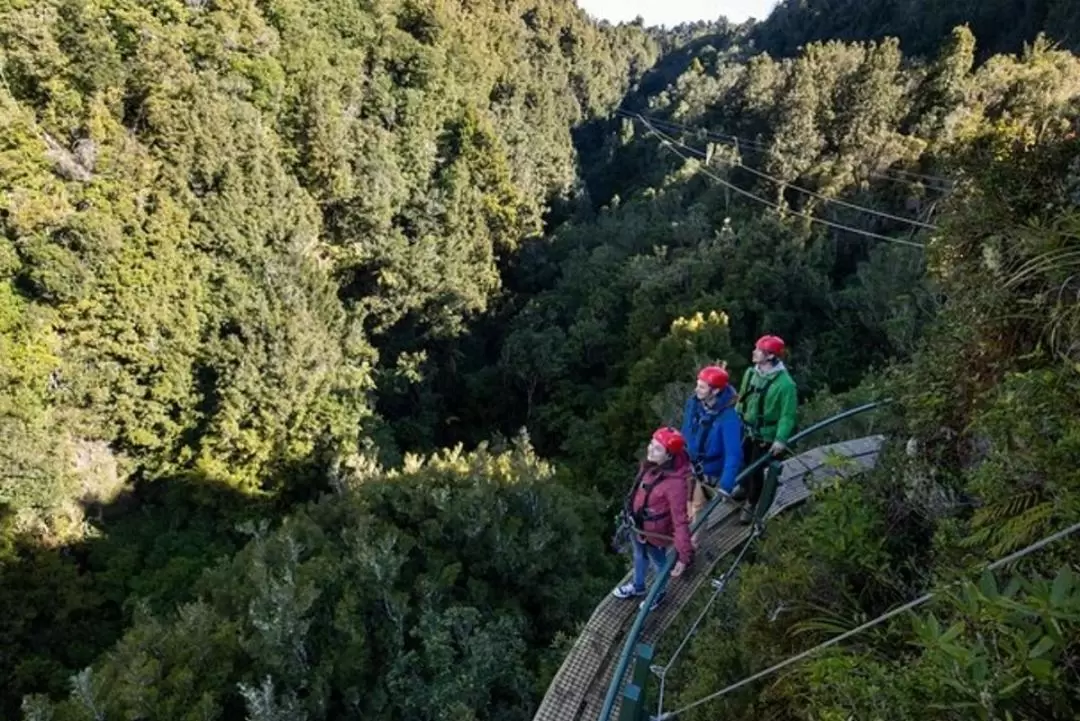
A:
(263, 262)
(988, 406)
(426, 593)
(214, 211)
(1002, 26)
(217, 219)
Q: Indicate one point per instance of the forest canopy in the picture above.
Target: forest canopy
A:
(330, 333)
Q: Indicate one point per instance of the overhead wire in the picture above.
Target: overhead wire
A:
(754, 144)
(837, 201)
(741, 142)
(671, 143)
(666, 716)
(921, 176)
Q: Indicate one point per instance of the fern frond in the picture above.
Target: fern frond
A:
(1005, 508)
(833, 627)
(978, 538)
(1023, 529)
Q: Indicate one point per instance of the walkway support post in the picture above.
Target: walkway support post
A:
(768, 491)
(635, 699)
(633, 706)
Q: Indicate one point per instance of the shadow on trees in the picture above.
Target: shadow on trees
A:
(65, 605)
(1002, 26)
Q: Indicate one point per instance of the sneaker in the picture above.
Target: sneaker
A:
(656, 602)
(746, 516)
(728, 498)
(627, 590)
(738, 493)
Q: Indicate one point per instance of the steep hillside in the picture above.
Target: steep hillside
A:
(214, 218)
(213, 212)
(987, 465)
(1002, 26)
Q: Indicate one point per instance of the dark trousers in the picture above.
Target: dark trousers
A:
(761, 485)
(753, 450)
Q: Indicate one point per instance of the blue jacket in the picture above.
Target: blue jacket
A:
(714, 437)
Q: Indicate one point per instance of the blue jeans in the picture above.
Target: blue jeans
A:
(643, 553)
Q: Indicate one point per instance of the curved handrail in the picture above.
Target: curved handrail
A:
(639, 622)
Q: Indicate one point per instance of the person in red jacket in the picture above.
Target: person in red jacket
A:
(657, 504)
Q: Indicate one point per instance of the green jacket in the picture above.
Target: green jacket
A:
(780, 407)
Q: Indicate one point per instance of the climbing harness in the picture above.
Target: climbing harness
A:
(629, 522)
(754, 431)
(639, 517)
(625, 530)
(700, 427)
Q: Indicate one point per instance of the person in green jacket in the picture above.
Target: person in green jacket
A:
(768, 404)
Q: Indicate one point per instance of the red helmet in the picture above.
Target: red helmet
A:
(770, 344)
(715, 376)
(672, 441)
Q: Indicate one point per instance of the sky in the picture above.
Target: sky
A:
(673, 12)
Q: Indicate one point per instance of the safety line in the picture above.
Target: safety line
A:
(669, 143)
(732, 163)
(912, 221)
(719, 585)
(869, 624)
(759, 147)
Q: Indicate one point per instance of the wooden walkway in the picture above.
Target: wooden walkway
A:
(578, 689)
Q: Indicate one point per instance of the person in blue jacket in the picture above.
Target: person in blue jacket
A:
(713, 430)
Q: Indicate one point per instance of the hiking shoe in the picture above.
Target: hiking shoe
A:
(627, 590)
(746, 516)
(656, 602)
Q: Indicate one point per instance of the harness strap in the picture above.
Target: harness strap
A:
(705, 425)
(759, 417)
(639, 517)
(644, 513)
(625, 528)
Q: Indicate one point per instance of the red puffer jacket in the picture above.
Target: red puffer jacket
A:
(666, 514)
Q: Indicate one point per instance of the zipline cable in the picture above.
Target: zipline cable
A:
(719, 585)
(740, 142)
(827, 199)
(670, 143)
